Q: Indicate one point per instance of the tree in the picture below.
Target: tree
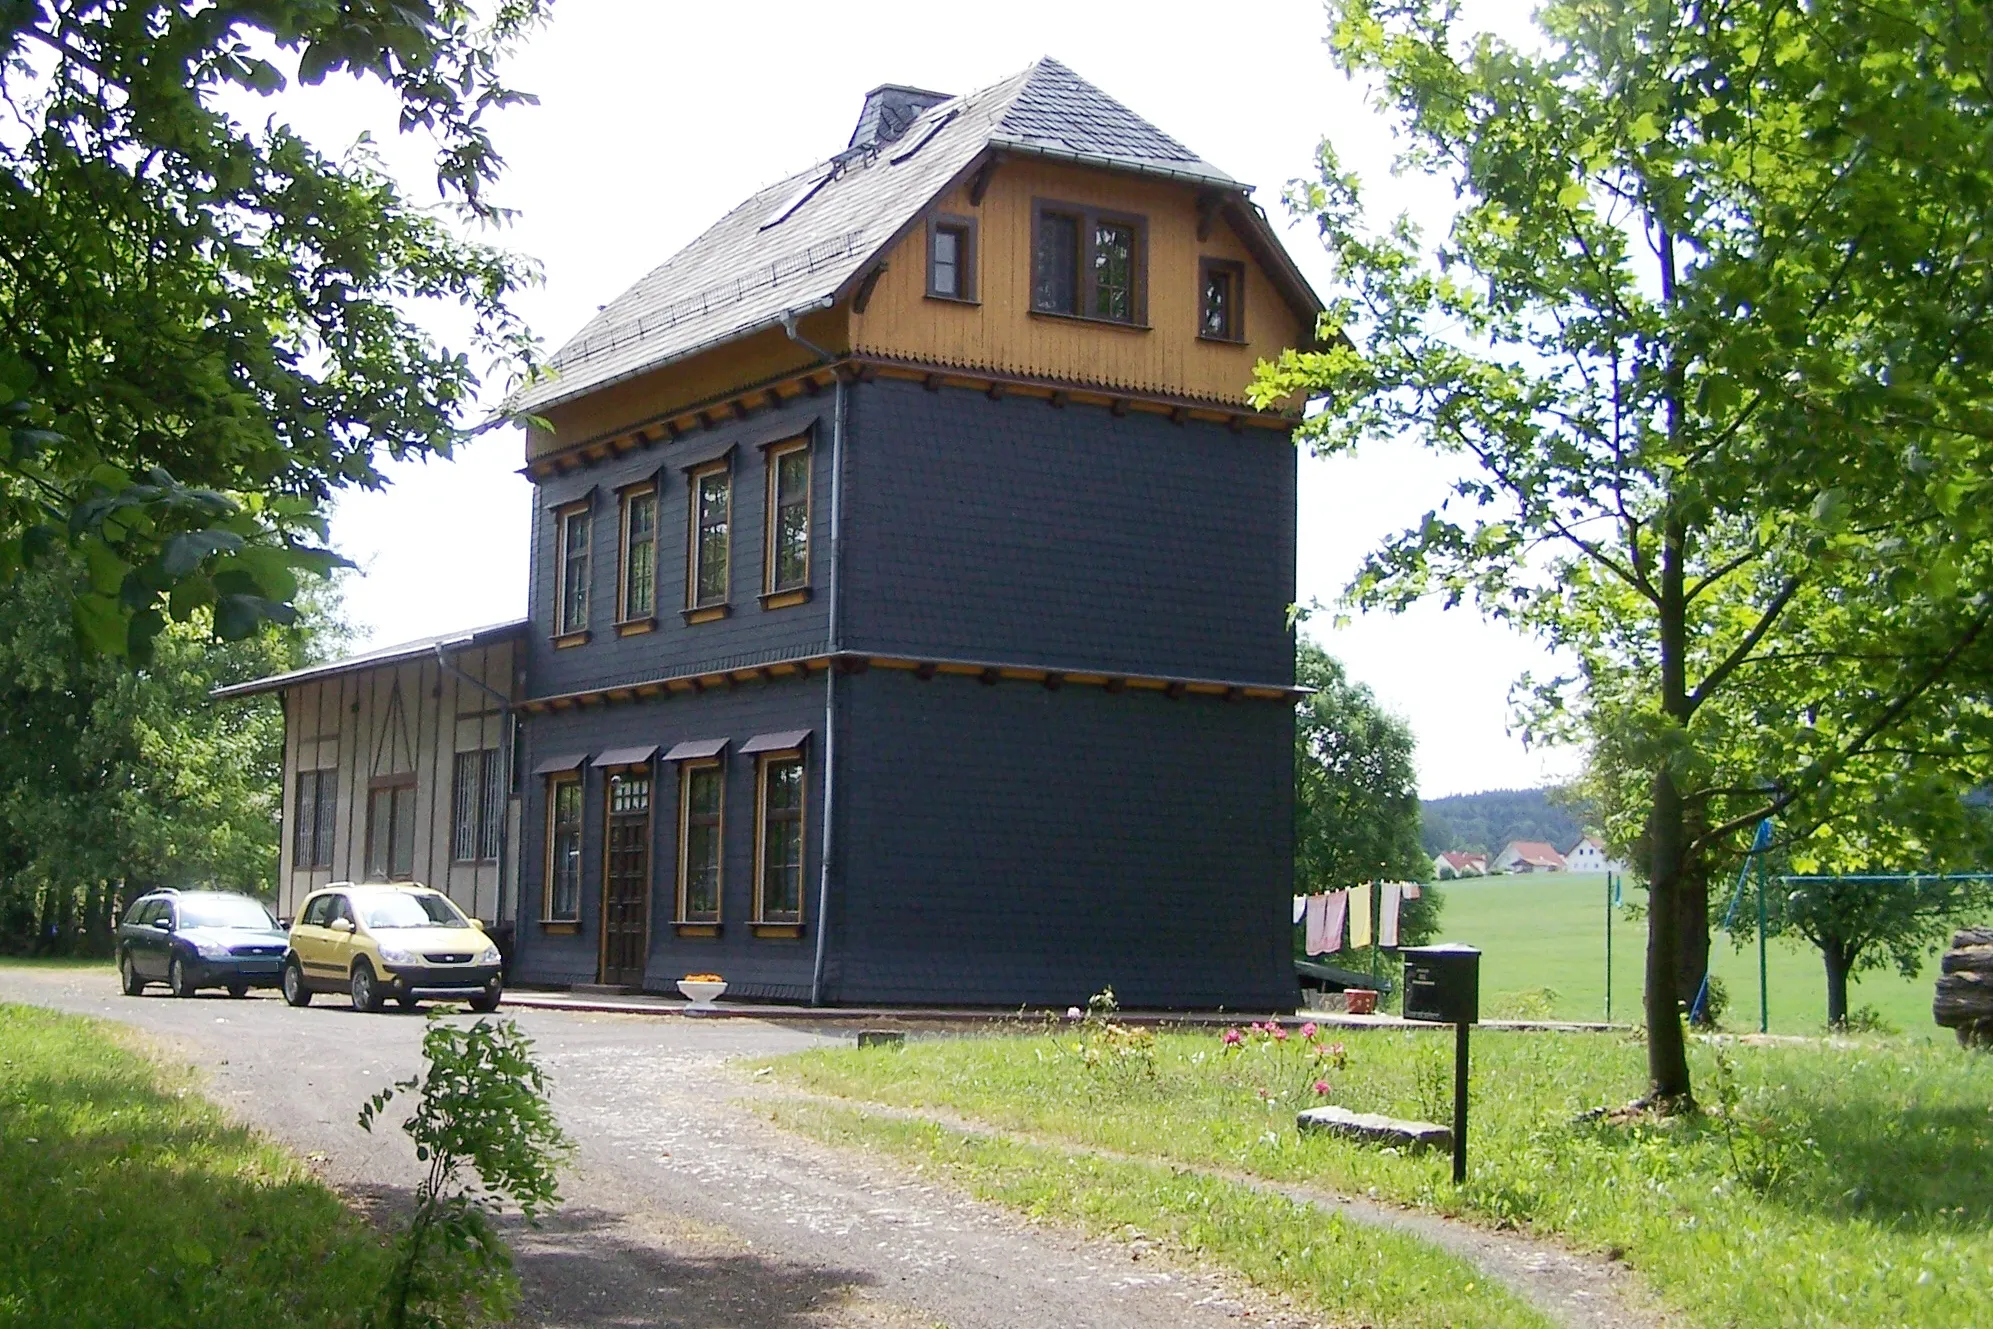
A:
(209, 324)
(1711, 334)
(1356, 792)
(114, 779)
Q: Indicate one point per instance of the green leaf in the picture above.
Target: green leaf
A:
(100, 623)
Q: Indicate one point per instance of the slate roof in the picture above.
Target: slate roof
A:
(797, 245)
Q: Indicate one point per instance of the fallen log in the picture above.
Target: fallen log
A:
(1964, 997)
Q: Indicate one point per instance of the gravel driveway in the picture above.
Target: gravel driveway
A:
(685, 1208)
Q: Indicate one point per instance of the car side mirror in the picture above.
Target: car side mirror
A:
(284, 923)
(163, 924)
(342, 925)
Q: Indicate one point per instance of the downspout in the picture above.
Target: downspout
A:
(504, 766)
(832, 643)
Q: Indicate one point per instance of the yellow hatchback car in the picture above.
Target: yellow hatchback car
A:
(401, 940)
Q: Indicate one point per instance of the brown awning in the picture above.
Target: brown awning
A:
(697, 749)
(558, 765)
(785, 741)
(625, 756)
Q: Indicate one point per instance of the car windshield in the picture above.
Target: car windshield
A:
(224, 911)
(397, 910)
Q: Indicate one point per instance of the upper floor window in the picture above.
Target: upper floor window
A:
(712, 521)
(1088, 264)
(788, 563)
(571, 608)
(639, 561)
(951, 257)
(1221, 286)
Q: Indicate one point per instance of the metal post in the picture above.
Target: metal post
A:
(1459, 1104)
(1764, 990)
(1608, 948)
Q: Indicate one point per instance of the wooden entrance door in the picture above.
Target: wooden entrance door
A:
(626, 885)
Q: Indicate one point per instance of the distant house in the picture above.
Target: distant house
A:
(1588, 855)
(1455, 863)
(1529, 856)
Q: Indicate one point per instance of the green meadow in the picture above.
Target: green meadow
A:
(1549, 931)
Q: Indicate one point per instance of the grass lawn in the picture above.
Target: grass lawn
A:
(1549, 932)
(1852, 1187)
(127, 1199)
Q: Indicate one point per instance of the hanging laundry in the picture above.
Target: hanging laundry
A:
(1411, 890)
(1359, 916)
(1300, 907)
(1387, 913)
(1316, 912)
(1336, 905)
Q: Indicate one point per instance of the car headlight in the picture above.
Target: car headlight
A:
(211, 950)
(489, 955)
(393, 955)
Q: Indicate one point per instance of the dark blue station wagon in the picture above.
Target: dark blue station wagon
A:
(190, 940)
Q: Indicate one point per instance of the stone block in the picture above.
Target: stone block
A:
(1375, 1128)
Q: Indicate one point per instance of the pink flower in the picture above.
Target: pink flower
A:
(1074, 1013)
(1308, 1029)
(1321, 1088)
(1279, 1034)
(1233, 1038)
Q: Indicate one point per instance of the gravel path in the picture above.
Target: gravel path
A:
(686, 1208)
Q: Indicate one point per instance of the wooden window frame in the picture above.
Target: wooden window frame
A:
(551, 920)
(391, 785)
(683, 923)
(487, 812)
(966, 252)
(697, 610)
(628, 623)
(762, 925)
(564, 516)
(321, 836)
(1089, 219)
(774, 596)
(1237, 272)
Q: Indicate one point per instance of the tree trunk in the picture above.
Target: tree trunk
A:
(1692, 925)
(45, 922)
(97, 920)
(1667, 1048)
(1838, 963)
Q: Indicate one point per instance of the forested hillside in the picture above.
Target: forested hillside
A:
(1486, 821)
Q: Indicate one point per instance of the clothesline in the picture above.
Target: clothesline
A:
(1324, 915)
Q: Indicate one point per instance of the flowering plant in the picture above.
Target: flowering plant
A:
(702, 978)
(1283, 1066)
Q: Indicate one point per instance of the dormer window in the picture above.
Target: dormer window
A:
(1088, 264)
(951, 258)
(1221, 287)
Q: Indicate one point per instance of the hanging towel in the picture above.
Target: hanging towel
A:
(1334, 906)
(1387, 913)
(1359, 916)
(1300, 907)
(1314, 912)
(1411, 890)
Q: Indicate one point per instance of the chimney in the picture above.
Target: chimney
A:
(889, 109)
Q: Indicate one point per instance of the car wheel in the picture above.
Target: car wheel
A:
(128, 976)
(366, 992)
(177, 978)
(295, 992)
(238, 990)
(487, 1000)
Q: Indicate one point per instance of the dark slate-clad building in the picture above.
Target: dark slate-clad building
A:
(910, 576)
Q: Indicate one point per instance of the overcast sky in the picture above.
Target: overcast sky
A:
(657, 117)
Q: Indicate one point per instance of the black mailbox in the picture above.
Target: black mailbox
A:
(1443, 983)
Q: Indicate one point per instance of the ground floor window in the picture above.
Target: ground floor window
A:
(478, 804)
(391, 831)
(779, 847)
(563, 895)
(313, 816)
(701, 811)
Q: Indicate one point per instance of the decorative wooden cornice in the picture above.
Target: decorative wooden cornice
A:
(923, 668)
(721, 411)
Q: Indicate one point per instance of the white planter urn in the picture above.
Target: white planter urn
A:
(701, 994)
